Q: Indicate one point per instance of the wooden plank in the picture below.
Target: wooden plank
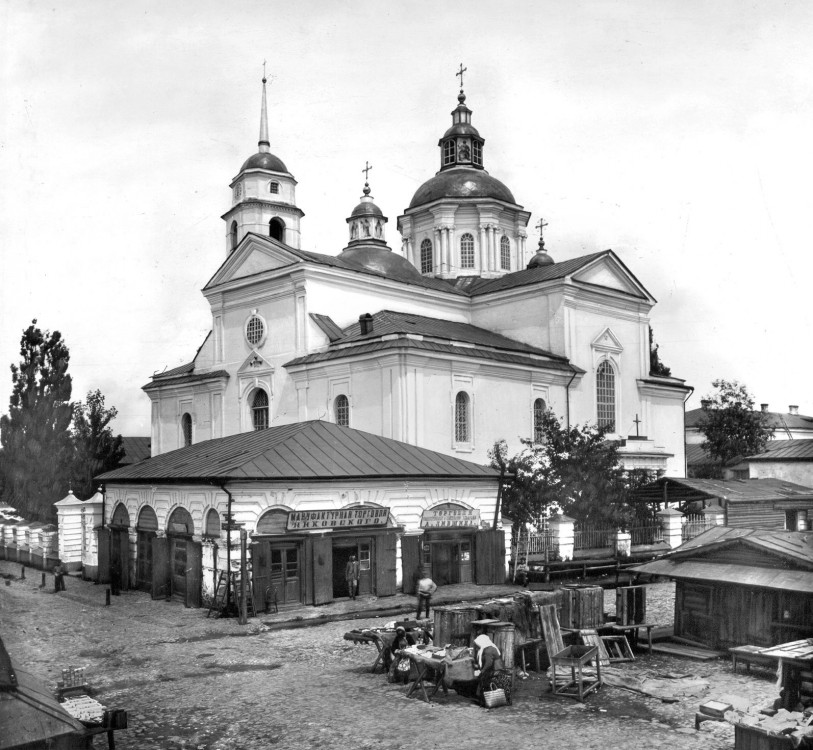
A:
(550, 629)
(592, 638)
(618, 648)
(679, 649)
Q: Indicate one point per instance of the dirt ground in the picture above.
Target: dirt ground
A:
(192, 682)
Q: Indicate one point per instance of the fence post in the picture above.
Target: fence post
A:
(671, 522)
(623, 543)
(562, 528)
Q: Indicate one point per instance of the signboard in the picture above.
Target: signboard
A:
(337, 519)
(450, 518)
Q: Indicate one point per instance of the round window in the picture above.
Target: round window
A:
(255, 330)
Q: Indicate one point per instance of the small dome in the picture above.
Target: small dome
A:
(461, 128)
(264, 160)
(366, 207)
(461, 182)
(541, 258)
(381, 260)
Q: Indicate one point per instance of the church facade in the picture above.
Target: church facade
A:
(462, 337)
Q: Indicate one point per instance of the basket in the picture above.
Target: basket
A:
(495, 697)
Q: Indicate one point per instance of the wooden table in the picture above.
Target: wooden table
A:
(424, 665)
(371, 636)
(633, 631)
(749, 655)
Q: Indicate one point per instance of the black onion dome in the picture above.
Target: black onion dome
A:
(264, 160)
(461, 128)
(381, 260)
(461, 182)
(366, 208)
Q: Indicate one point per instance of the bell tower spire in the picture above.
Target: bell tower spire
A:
(264, 144)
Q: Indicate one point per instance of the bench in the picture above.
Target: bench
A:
(749, 655)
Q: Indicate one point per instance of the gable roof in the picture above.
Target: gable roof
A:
(395, 330)
(304, 450)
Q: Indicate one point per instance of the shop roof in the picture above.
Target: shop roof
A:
(312, 450)
(680, 489)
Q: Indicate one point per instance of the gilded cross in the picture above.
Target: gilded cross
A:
(541, 224)
(366, 170)
(460, 73)
(637, 422)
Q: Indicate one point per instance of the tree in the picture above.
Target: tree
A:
(573, 470)
(656, 367)
(730, 425)
(95, 448)
(34, 434)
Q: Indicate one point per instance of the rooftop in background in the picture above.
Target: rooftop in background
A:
(135, 449)
(679, 489)
(785, 450)
(778, 420)
(303, 450)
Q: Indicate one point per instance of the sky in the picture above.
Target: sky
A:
(678, 134)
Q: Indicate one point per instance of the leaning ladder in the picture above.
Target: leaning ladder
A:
(521, 559)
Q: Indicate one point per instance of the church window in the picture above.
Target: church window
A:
(462, 418)
(273, 187)
(448, 152)
(539, 414)
(233, 235)
(341, 409)
(605, 395)
(276, 229)
(259, 409)
(467, 251)
(426, 256)
(505, 253)
(186, 429)
(255, 330)
(477, 153)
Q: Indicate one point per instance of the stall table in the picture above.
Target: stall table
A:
(425, 664)
(633, 632)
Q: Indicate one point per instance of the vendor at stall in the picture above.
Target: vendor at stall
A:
(492, 672)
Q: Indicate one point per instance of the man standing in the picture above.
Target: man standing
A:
(59, 577)
(426, 587)
(351, 574)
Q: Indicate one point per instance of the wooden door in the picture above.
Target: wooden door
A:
(489, 556)
(464, 562)
(194, 573)
(123, 543)
(293, 591)
(322, 567)
(385, 564)
(695, 619)
(144, 559)
(441, 563)
(103, 575)
(364, 555)
(410, 561)
(160, 567)
(261, 575)
(178, 564)
(284, 575)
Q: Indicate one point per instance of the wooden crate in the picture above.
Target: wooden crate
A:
(630, 605)
(582, 607)
(754, 738)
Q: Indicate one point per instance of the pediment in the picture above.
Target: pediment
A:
(610, 273)
(255, 363)
(607, 341)
(253, 255)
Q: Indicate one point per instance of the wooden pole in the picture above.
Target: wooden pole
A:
(243, 578)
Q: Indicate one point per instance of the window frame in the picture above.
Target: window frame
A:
(260, 413)
(538, 412)
(427, 261)
(467, 250)
(264, 332)
(273, 187)
(505, 253)
(233, 232)
(449, 152)
(341, 410)
(606, 395)
(477, 153)
(462, 418)
(186, 429)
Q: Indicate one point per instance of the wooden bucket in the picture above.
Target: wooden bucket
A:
(582, 607)
(503, 634)
(453, 625)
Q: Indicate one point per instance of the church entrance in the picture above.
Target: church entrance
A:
(146, 530)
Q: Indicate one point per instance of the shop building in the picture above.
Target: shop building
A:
(308, 495)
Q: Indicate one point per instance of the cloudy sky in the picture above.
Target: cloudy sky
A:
(676, 133)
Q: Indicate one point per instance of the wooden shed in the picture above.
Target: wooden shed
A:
(739, 587)
(747, 503)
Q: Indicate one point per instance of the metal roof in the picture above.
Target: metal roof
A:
(680, 489)
(193, 377)
(135, 449)
(696, 456)
(327, 326)
(785, 450)
(792, 545)
(776, 419)
(300, 451)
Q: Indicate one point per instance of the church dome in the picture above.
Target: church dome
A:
(264, 160)
(381, 260)
(461, 182)
(366, 207)
(541, 257)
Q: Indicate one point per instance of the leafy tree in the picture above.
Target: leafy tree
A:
(573, 470)
(34, 434)
(656, 367)
(95, 448)
(730, 425)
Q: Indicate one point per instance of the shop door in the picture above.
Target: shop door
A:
(178, 564)
(363, 555)
(463, 553)
(410, 561)
(285, 576)
(104, 555)
(144, 559)
(120, 557)
(442, 563)
(341, 555)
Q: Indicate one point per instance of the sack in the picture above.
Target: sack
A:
(495, 697)
(403, 665)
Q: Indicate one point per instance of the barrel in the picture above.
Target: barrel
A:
(503, 634)
(582, 607)
(453, 625)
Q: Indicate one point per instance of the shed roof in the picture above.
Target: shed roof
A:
(304, 450)
(785, 450)
(689, 489)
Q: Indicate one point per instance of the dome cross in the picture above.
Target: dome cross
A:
(366, 170)
(540, 225)
(460, 74)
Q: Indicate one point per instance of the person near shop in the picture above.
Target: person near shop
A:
(426, 587)
(59, 577)
(351, 574)
(398, 666)
(493, 673)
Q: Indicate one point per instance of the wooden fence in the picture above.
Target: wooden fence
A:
(694, 525)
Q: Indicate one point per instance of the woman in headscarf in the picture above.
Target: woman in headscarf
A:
(492, 668)
(393, 660)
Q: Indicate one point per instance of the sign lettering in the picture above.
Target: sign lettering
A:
(337, 519)
(450, 518)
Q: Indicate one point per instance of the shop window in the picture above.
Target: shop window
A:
(539, 414)
(341, 410)
(462, 418)
(212, 526)
(186, 429)
(364, 557)
(259, 410)
(505, 253)
(292, 563)
(426, 256)
(467, 251)
(465, 551)
(276, 562)
(605, 396)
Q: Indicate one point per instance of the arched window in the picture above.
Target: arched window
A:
(462, 418)
(539, 413)
(212, 527)
(259, 409)
(341, 410)
(186, 429)
(233, 235)
(273, 187)
(273, 522)
(467, 251)
(477, 153)
(180, 522)
(448, 152)
(426, 256)
(147, 520)
(605, 395)
(505, 253)
(276, 229)
(121, 517)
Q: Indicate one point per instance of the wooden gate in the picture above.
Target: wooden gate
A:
(489, 553)
(160, 567)
(322, 567)
(103, 535)
(410, 561)
(385, 564)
